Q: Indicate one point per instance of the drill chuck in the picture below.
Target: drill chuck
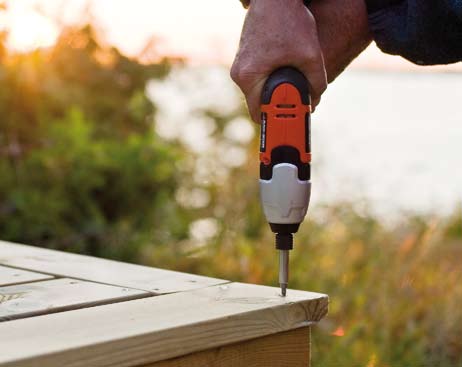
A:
(284, 241)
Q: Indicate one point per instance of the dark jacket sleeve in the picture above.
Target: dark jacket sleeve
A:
(426, 32)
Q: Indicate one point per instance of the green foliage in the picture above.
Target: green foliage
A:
(80, 167)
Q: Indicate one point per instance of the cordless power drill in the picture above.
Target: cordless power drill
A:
(285, 156)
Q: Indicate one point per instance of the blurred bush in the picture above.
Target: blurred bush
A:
(80, 167)
(89, 163)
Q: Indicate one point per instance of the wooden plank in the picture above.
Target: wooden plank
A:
(157, 328)
(286, 349)
(11, 276)
(32, 299)
(156, 281)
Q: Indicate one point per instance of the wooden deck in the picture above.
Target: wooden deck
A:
(62, 309)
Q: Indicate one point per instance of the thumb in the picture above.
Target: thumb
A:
(253, 98)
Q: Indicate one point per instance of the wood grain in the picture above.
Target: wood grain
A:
(286, 349)
(32, 299)
(157, 328)
(11, 276)
(156, 281)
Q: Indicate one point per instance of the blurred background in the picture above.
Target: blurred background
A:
(122, 136)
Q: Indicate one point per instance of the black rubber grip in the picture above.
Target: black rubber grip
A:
(286, 75)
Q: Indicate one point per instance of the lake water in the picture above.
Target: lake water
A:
(394, 139)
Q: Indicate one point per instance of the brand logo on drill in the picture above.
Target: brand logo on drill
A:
(263, 133)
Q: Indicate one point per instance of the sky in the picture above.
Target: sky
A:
(205, 31)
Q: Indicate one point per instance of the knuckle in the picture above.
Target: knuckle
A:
(242, 76)
(234, 72)
(311, 55)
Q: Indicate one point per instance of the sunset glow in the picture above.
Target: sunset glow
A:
(204, 32)
(28, 29)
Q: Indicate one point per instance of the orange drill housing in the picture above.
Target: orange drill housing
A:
(286, 121)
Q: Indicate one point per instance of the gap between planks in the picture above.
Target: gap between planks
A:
(103, 271)
(59, 295)
(12, 276)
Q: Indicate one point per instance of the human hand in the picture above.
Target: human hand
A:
(277, 33)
